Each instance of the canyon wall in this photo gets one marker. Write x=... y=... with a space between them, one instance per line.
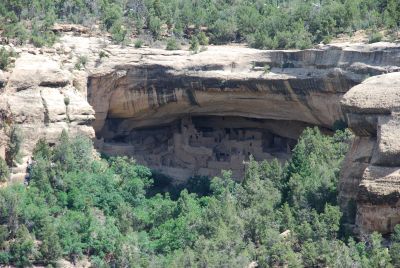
x=186 y=114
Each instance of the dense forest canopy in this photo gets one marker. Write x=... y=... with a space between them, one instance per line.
x=261 y=23
x=108 y=210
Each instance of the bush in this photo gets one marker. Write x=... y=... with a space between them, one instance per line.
x=139 y=43
x=103 y=54
x=172 y=44
x=154 y=25
x=375 y=37
x=14 y=145
x=41 y=36
x=16 y=31
x=119 y=33
x=112 y=15
x=81 y=62
x=4 y=58
x=194 y=44
x=266 y=69
x=203 y=39
x=223 y=31
x=4 y=171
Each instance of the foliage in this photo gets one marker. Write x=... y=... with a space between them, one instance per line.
x=119 y=33
x=14 y=145
x=5 y=60
x=263 y=24
x=194 y=44
x=79 y=205
x=4 y=171
x=103 y=54
x=172 y=44
x=203 y=39
x=375 y=37
x=81 y=62
x=139 y=43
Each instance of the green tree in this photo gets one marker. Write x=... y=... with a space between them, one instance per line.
x=172 y=44
x=378 y=255
x=50 y=248
x=4 y=170
x=22 y=249
x=14 y=144
x=394 y=249
x=194 y=44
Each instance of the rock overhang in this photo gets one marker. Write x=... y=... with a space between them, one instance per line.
x=272 y=94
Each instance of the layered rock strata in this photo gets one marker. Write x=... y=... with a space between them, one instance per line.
x=180 y=113
x=140 y=94
x=370 y=182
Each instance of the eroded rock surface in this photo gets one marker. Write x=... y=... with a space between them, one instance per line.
x=187 y=114
x=370 y=182
x=40 y=100
x=141 y=95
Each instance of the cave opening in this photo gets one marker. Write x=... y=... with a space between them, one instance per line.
x=203 y=145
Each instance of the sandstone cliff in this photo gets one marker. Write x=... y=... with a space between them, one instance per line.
x=40 y=100
x=187 y=114
x=370 y=183
x=135 y=91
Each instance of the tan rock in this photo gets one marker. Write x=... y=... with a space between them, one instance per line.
x=372 y=111
x=80 y=81
x=36 y=70
x=378 y=94
x=41 y=100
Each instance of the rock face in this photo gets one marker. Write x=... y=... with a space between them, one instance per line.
x=40 y=100
x=370 y=182
x=155 y=105
x=187 y=114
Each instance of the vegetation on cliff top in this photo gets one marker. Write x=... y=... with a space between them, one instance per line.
x=262 y=23
x=107 y=210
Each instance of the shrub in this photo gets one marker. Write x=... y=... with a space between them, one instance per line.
x=375 y=37
x=154 y=25
x=266 y=69
x=194 y=44
x=41 y=36
x=119 y=33
x=203 y=39
x=103 y=54
x=4 y=58
x=14 y=145
x=17 y=31
x=4 y=171
x=81 y=62
x=223 y=31
x=172 y=44
x=139 y=43
x=22 y=248
x=112 y=14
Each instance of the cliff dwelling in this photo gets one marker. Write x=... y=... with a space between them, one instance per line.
x=189 y=115
x=200 y=145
